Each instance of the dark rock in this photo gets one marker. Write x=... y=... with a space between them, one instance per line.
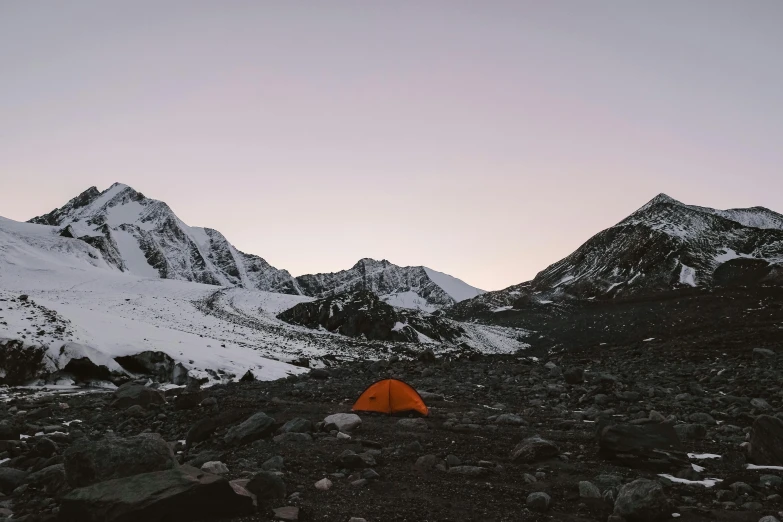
x=88 y=462
x=297 y=425
x=11 y=478
x=51 y=479
x=293 y=437
x=642 y=500
x=647 y=446
x=45 y=447
x=176 y=495
x=21 y=362
x=349 y=459
x=202 y=430
x=9 y=431
x=426 y=462
x=254 y=428
x=691 y=431
x=766 y=441
x=189 y=400
x=248 y=377
x=763 y=354
x=574 y=375
x=471 y=471
x=319 y=373
x=276 y=463
x=288 y=513
x=534 y=449
x=131 y=394
x=157 y=365
x=538 y=501
x=267 y=486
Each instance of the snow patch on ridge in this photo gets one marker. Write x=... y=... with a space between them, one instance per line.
x=458 y=289
x=687 y=275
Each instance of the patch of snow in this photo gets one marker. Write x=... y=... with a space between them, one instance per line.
x=687 y=275
x=501 y=309
x=697 y=468
x=409 y=299
x=707 y=483
x=754 y=466
x=132 y=254
x=398 y=326
x=648 y=340
x=457 y=289
x=703 y=456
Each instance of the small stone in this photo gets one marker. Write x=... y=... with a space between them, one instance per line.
x=588 y=490
x=290 y=513
x=538 y=501
x=413 y=424
x=323 y=485
x=275 y=463
x=215 y=466
x=267 y=485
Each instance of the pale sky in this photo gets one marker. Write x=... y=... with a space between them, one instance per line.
x=481 y=139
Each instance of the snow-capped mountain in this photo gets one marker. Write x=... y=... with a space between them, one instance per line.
x=406 y=287
x=67 y=313
x=143 y=236
x=662 y=246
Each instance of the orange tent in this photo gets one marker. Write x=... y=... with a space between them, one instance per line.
x=390 y=396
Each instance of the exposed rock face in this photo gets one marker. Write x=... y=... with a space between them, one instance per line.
x=157 y=365
x=662 y=246
x=393 y=283
x=642 y=501
x=20 y=361
x=120 y=220
x=363 y=313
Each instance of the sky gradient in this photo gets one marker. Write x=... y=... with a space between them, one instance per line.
x=486 y=140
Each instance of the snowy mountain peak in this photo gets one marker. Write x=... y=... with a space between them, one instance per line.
x=663 y=246
x=368 y=263
x=143 y=236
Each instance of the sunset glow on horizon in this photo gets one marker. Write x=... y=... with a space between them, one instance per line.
x=483 y=140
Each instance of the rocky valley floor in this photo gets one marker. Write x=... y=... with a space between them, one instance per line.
x=508 y=438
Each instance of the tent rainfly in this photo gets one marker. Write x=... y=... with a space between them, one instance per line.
x=390 y=396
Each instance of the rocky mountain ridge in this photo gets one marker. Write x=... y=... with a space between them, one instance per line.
x=143 y=236
x=664 y=245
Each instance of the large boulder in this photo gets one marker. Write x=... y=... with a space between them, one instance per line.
x=534 y=449
x=345 y=422
x=131 y=394
x=642 y=501
x=766 y=441
x=176 y=495
x=201 y=431
x=51 y=479
x=10 y=479
x=267 y=485
x=9 y=431
x=87 y=462
x=646 y=446
x=257 y=426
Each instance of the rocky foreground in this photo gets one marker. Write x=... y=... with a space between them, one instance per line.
x=637 y=434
